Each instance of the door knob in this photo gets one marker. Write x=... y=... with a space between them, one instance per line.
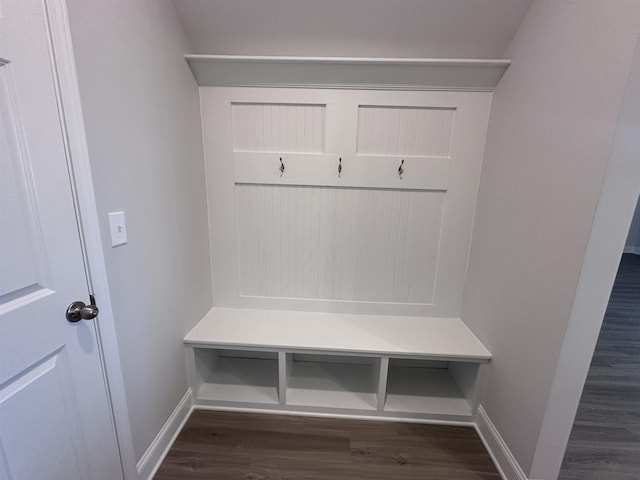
x=79 y=311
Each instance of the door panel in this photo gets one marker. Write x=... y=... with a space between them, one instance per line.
x=55 y=418
x=21 y=244
x=40 y=393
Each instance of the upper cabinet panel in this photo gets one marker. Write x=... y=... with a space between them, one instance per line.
x=405 y=131
x=278 y=128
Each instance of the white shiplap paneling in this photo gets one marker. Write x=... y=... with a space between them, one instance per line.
x=338 y=243
x=286 y=283
x=405 y=131
x=279 y=128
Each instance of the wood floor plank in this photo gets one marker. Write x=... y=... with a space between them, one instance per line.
x=605 y=439
x=244 y=446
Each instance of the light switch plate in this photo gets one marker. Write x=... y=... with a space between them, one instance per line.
x=118 y=228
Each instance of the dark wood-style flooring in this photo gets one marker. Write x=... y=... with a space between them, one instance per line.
x=243 y=446
x=605 y=439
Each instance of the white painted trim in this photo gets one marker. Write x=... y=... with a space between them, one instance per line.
x=613 y=217
x=299 y=413
x=353 y=60
x=505 y=462
x=88 y=214
x=436 y=338
x=631 y=249
x=157 y=451
x=347 y=72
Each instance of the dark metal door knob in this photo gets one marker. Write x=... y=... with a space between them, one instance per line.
x=79 y=311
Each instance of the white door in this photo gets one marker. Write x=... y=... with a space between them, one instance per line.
x=55 y=420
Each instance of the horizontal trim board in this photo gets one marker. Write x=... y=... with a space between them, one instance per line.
x=426 y=418
x=425 y=337
x=359 y=171
x=331 y=354
x=345 y=72
x=323 y=305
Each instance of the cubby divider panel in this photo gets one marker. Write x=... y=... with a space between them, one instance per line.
x=237 y=376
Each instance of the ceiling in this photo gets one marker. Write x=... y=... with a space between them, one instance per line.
x=346 y=28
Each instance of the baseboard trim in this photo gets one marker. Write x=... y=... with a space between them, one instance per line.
x=153 y=457
x=505 y=462
x=318 y=414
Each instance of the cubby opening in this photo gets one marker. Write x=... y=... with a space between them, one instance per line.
x=332 y=381
x=236 y=376
x=427 y=386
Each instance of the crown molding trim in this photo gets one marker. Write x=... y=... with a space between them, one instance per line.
x=348 y=72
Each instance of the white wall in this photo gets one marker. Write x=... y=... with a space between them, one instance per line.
x=617 y=201
x=549 y=141
x=141 y=109
x=632 y=244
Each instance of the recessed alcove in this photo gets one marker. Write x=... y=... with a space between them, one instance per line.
x=340 y=222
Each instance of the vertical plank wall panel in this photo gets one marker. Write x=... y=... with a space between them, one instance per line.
x=338 y=243
x=405 y=131
x=368 y=241
x=273 y=127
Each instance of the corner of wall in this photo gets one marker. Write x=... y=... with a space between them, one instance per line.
x=503 y=459
x=154 y=456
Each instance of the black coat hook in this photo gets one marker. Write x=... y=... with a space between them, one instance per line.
x=400 y=169
x=339 y=167
x=281 y=167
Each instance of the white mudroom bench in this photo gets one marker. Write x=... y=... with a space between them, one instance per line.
x=423 y=368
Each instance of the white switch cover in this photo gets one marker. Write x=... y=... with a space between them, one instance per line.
x=118 y=228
